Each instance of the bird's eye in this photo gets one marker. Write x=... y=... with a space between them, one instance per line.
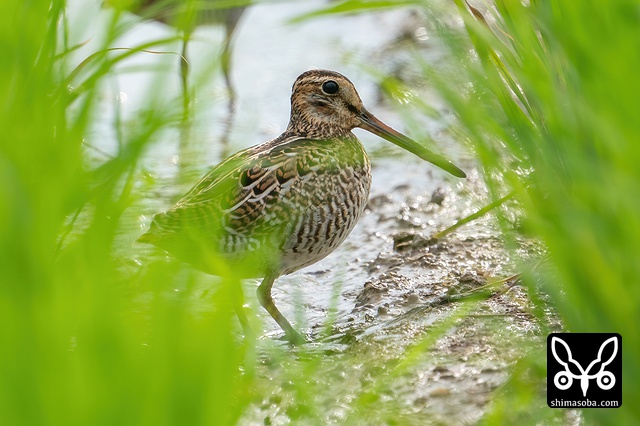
x=330 y=87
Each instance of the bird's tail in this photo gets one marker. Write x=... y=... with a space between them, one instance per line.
x=147 y=238
x=154 y=234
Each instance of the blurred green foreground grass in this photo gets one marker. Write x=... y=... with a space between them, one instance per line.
x=549 y=103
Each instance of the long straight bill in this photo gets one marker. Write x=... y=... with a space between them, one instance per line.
x=377 y=127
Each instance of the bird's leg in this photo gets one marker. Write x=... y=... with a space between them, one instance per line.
x=265 y=299
x=185 y=125
x=225 y=59
x=184 y=78
x=225 y=62
x=237 y=297
x=231 y=20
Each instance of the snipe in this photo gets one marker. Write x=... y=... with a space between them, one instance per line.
x=277 y=207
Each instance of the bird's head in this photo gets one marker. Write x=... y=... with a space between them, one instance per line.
x=325 y=105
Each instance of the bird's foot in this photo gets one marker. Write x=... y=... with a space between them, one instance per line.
x=294 y=338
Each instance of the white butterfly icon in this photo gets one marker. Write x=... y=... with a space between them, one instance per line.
x=564 y=379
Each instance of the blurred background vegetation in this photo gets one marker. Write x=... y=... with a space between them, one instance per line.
x=546 y=95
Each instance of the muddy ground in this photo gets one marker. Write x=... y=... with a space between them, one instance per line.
x=432 y=327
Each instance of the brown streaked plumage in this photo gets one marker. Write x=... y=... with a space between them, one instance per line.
x=285 y=204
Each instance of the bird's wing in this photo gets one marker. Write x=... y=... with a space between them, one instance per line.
x=218 y=174
x=233 y=194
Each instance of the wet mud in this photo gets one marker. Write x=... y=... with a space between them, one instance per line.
x=430 y=328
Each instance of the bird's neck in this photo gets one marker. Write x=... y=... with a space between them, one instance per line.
x=316 y=129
